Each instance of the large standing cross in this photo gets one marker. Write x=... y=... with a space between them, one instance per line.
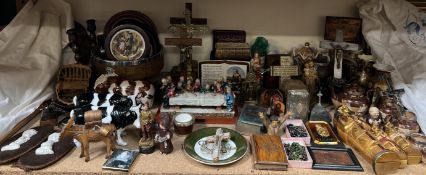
x=339 y=46
x=185 y=28
x=285 y=70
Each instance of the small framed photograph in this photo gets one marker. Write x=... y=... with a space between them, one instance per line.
x=334 y=159
x=121 y=160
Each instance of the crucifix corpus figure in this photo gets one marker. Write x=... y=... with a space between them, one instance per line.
x=185 y=28
x=339 y=46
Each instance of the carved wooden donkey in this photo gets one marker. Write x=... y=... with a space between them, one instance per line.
x=92 y=131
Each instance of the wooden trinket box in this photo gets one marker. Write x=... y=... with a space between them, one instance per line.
x=350 y=26
x=296 y=122
x=268 y=153
x=298 y=163
x=230 y=44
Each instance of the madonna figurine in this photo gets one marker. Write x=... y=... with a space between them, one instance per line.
x=163 y=136
x=229 y=99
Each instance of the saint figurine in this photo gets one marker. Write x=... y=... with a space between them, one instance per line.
x=310 y=76
x=146 y=119
x=217 y=87
x=182 y=82
x=256 y=65
x=189 y=87
x=163 y=136
x=146 y=143
x=197 y=85
x=164 y=88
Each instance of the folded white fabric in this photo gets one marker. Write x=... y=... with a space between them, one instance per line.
x=396 y=32
x=30 y=48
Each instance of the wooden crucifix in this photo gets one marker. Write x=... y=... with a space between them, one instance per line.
x=186 y=27
x=285 y=70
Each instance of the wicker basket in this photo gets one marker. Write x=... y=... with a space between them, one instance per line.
x=72 y=80
x=132 y=70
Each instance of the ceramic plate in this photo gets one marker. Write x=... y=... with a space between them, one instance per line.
x=127 y=43
x=192 y=147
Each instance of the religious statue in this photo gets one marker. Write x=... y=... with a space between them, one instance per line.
x=197 y=85
x=168 y=90
x=189 y=86
x=146 y=120
x=163 y=136
x=256 y=65
x=146 y=143
x=274 y=126
x=311 y=77
x=164 y=87
x=229 y=99
x=374 y=117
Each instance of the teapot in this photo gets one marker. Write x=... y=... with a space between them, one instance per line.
x=353 y=96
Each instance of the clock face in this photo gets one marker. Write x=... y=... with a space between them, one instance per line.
x=127 y=45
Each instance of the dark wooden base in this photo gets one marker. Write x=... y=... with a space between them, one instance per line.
x=215 y=120
x=147 y=150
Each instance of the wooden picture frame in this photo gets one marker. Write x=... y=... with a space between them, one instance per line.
x=334 y=159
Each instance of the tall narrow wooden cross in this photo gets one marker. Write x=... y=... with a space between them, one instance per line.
x=285 y=70
x=186 y=28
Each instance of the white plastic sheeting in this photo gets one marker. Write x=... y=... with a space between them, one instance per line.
x=30 y=55
x=396 y=32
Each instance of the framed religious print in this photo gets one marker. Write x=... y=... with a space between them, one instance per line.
x=321 y=133
x=127 y=43
x=211 y=71
x=334 y=159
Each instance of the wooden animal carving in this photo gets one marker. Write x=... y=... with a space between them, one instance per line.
x=94 y=131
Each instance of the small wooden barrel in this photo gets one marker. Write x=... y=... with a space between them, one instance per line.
x=132 y=70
